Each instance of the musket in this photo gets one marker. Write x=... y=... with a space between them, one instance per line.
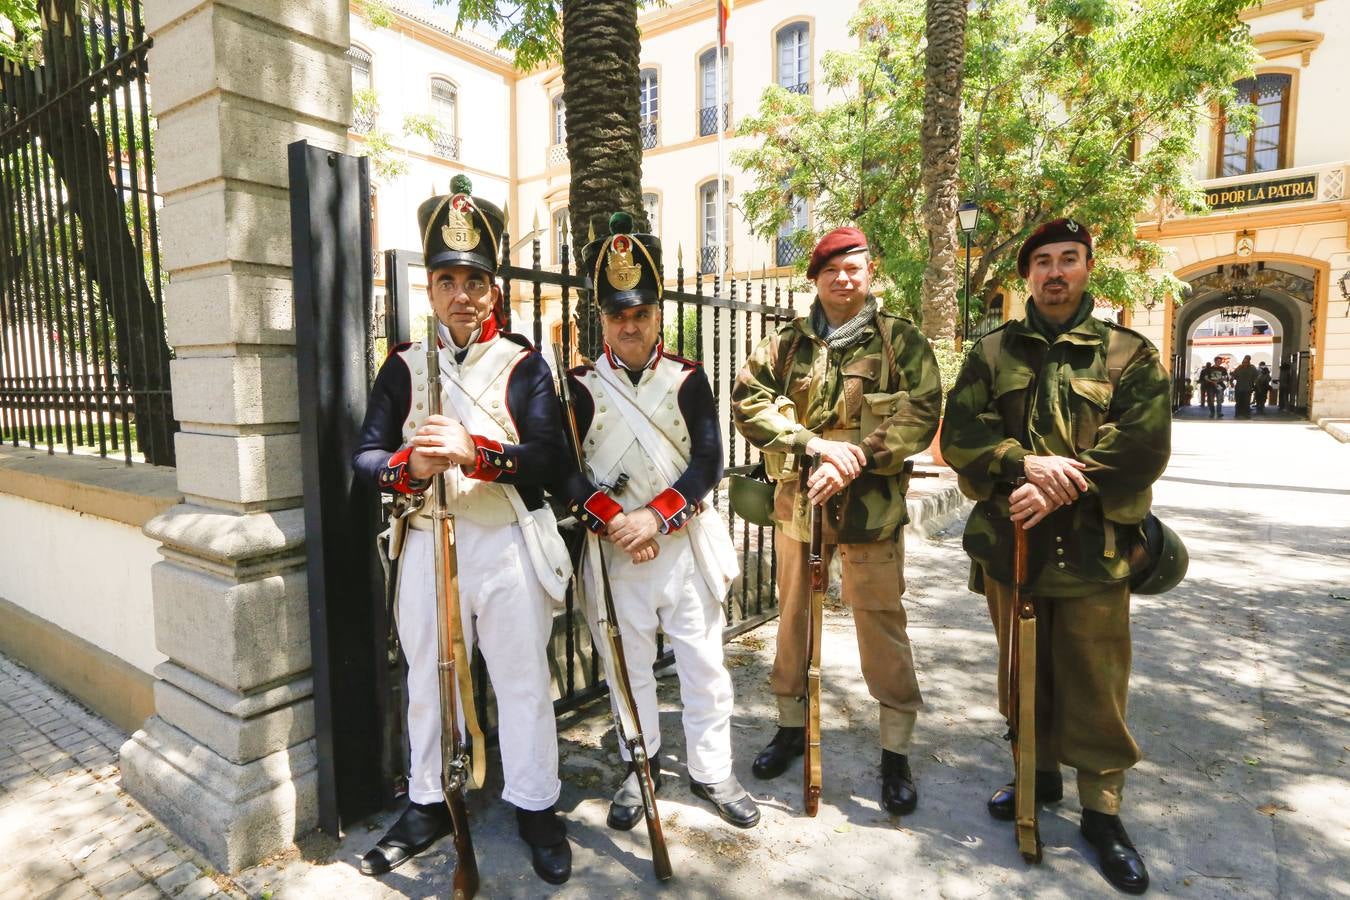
x=626 y=719
x=454 y=754
x=1022 y=699
x=815 y=612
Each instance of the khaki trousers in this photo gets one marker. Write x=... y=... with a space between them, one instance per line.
x=874 y=580
x=1082 y=678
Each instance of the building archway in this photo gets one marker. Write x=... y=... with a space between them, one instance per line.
x=1281 y=292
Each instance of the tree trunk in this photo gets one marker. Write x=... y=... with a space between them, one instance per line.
x=944 y=73
x=604 y=148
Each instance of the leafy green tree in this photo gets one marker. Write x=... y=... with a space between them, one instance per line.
x=18 y=28
x=1086 y=108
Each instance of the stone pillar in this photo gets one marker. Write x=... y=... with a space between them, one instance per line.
x=228 y=760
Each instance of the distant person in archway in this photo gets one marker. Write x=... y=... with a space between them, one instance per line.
x=1216 y=379
x=1244 y=380
x=1262 y=387
x=1202 y=378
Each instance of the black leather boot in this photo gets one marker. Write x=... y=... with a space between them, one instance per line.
x=626 y=810
x=734 y=803
x=1049 y=789
x=550 y=854
x=420 y=826
x=1116 y=856
x=787 y=745
x=899 y=796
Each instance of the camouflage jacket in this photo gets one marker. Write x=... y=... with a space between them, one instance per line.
x=1097 y=394
x=793 y=388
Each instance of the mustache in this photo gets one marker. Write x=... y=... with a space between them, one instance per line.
x=1057 y=282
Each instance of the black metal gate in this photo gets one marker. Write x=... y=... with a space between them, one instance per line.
x=83 y=360
x=340 y=342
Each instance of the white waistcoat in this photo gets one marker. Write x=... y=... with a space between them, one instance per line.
x=477 y=386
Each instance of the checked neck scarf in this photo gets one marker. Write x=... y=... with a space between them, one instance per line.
x=851 y=332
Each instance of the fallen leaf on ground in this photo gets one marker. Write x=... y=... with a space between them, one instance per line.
x=842 y=829
x=1270 y=809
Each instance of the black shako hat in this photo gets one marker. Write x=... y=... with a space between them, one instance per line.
x=1054 y=232
x=623 y=269
x=460 y=230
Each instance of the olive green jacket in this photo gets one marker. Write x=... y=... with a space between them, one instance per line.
x=1062 y=399
x=883 y=394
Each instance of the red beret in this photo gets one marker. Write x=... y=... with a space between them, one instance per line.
x=1056 y=232
x=841 y=240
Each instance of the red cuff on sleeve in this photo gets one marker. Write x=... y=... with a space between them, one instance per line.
x=396 y=476
x=491 y=460
x=673 y=509
x=597 y=511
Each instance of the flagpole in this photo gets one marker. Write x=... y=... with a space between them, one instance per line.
x=723 y=258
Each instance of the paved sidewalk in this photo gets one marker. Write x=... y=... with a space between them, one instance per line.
x=67 y=830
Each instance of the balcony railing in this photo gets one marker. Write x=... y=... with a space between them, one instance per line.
x=445 y=144
x=647 y=131
x=786 y=251
x=801 y=87
x=707 y=119
x=363 y=121
x=557 y=155
x=710 y=261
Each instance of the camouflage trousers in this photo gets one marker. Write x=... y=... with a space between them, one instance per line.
x=1082 y=678
x=874 y=580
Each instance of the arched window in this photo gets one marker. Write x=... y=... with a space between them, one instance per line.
x=648 y=107
x=444 y=109
x=707 y=79
x=363 y=106
x=559 y=120
x=560 y=234
x=794 y=57
x=713 y=255
x=1266 y=147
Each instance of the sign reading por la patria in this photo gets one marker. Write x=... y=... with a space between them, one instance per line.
x=1279 y=190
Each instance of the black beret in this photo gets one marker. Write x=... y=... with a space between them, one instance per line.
x=1058 y=231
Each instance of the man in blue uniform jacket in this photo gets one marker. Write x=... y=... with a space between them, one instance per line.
x=498 y=443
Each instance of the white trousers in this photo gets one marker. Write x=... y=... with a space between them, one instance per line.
x=670 y=593
x=505 y=610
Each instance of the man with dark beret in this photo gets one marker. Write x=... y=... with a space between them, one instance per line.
x=855 y=387
x=1078 y=409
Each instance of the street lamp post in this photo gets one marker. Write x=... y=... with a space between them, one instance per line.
x=969 y=215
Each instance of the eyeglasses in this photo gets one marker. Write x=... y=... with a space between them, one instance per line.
x=475 y=288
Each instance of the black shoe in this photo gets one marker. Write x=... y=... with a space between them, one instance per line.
x=734 y=803
x=898 y=794
x=1116 y=856
x=787 y=744
x=550 y=854
x=420 y=826
x=1049 y=789
x=626 y=809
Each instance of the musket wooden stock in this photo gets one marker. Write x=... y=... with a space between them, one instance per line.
x=1022 y=700
x=626 y=716
x=454 y=758
x=815 y=611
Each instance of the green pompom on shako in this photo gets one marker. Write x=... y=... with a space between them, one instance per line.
x=624 y=268
x=461 y=184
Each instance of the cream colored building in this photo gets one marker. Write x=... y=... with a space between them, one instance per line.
x=1275 y=241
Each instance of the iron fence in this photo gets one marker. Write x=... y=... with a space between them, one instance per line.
x=83 y=360
x=706 y=319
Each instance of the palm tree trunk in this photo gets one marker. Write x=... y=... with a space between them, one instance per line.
x=604 y=148
x=944 y=74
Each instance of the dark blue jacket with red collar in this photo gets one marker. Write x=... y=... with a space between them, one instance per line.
x=531 y=465
x=677 y=502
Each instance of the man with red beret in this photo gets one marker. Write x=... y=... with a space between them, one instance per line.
x=856 y=389
x=1078 y=410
